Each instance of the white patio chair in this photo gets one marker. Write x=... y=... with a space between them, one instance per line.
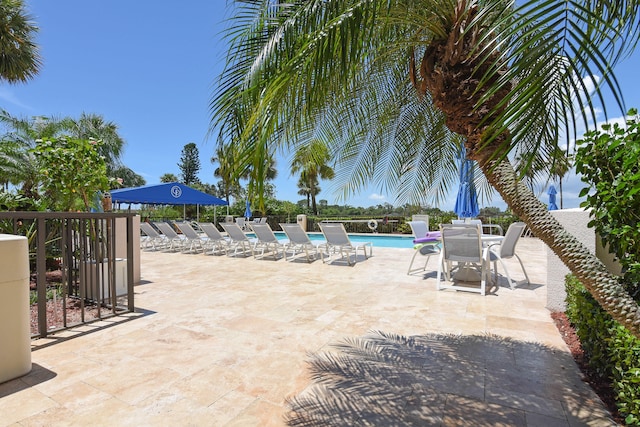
x=216 y=240
x=462 y=244
x=267 y=241
x=299 y=241
x=238 y=240
x=506 y=250
x=338 y=241
x=425 y=246
x=491 y=227
x=173 y=239
x=191 y=237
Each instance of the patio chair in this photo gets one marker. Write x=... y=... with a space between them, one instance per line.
x=267 y=241
x=238 y=240
x=426 y=244
x=506 y=250
x=338 y=240
x=215 y=239
x=462 y=244
x=173 y=239
x=191 y=237
x=299 y=241
x=151 y=237
x=493 y=228
x=242 y=223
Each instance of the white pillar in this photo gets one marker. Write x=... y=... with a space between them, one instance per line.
x=15 y=314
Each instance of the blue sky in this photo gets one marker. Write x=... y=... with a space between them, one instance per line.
x=151 y=67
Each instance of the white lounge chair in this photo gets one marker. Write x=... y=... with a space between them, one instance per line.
x=425 y=246
x=192 y=239
x=216 y=240
x=299 y=241
x=506 y=249
x=462 y=244
x=173 y=239
x=238 y=240
x=338 y=240
x=151 y=237
x=267 y=241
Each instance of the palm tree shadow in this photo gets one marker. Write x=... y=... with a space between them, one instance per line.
x=390 y=380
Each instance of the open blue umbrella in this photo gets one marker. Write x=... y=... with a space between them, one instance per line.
x=552 y=198
x=247 y=210
x=467 y=199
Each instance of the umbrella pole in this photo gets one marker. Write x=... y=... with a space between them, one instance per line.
x=198 y=213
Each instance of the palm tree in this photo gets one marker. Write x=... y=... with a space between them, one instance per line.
x=230 y=183
x=311 y=161
x=20 y=166
x=94 y=126
x=400 y=81
x=19 y=57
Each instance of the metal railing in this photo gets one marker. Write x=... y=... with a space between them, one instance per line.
x=77 y=266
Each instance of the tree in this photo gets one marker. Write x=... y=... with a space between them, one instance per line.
x=226 y=171
x=311 y=161
x=84 y=174
x=189 y=164
x=168 y=177
x=19 y=56
x=400 y=83
x=93 y=126
x=129 y=178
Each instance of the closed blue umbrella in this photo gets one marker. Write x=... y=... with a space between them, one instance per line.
x=247 y=210
x=552 y=198
x=467 y=199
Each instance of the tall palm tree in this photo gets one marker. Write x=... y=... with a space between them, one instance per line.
x=311 y=161
x=226 y=157
x=19 y=57
x=400 y=81
x=94 y=126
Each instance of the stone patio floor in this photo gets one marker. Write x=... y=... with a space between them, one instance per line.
x=220 y=341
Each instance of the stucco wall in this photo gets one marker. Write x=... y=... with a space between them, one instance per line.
x=575 y=222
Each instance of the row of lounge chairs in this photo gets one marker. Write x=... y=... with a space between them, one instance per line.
x=206 y=238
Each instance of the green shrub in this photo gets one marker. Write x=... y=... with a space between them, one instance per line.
x=610 y=349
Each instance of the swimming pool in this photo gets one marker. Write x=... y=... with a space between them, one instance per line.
x=378 y=240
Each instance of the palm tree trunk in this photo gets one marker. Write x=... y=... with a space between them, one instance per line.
x=605 y=287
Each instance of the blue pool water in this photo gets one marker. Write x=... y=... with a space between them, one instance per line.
x=378 y=240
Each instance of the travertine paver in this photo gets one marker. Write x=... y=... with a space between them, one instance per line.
x=225 y=341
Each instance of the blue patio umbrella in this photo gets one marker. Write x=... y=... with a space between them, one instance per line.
x=247 y=210
x=467 y=199
x=552 y=198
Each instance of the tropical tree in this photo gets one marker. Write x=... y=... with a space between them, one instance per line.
x=189 y=164
x=168 y=177
x=20 y=165
x=310 y=160
x=19 y=57
x=304 y=189
x=398 y=82
x=94 y=126
x=229 y=184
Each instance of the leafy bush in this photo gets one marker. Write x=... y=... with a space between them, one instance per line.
x=611 y=350
x=608 y=162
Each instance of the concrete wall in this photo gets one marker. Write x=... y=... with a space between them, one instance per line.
x=121 y=243
x=575 y=222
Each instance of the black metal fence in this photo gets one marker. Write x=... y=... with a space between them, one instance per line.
x=81 y=266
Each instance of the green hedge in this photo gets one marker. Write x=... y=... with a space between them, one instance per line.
x=609 y=348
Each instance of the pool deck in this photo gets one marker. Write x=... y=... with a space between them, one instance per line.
x=220 y=341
